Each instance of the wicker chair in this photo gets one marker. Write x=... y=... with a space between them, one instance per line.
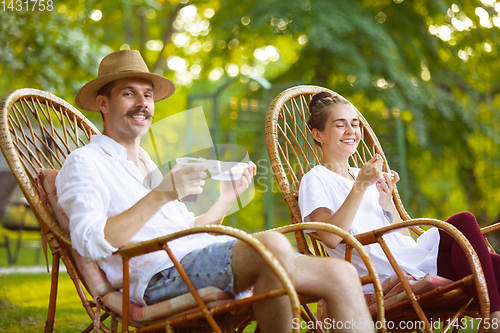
x=37 y=132
x=292 y=154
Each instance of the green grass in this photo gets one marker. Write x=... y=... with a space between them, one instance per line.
x=30 y=252
x=24 y=297
x=24 y=303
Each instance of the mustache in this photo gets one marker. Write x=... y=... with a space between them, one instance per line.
x=137 y=111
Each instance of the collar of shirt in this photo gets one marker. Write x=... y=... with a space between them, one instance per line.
x=118 y=152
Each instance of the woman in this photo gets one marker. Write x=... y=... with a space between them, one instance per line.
x=360 y=200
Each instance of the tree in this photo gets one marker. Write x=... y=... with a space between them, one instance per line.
x=425 y=67
x=429 y=62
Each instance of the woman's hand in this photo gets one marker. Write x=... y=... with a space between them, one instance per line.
x=385 y=186
x=231 y=189
x=369 y=173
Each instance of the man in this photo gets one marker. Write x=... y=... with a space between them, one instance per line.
x=112 y=196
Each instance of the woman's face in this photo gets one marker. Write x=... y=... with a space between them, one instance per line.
x=342 y=134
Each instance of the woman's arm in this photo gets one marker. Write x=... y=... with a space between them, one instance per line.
x=369 y=174
x=385 y=186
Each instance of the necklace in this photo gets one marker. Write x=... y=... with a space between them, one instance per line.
x=350 y=174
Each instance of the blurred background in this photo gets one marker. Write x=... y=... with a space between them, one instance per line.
x=424 y=73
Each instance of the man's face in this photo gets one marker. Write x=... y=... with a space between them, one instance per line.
x=129 y=111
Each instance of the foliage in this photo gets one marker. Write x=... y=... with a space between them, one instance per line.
x=382 y=56
x=425 y=66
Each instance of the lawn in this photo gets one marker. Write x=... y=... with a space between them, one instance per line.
x=24 y=303
x=24 y=297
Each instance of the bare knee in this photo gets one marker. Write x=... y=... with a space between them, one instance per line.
x=280 y=247
x=342 y=272
x=276 y=243
x=249 y=266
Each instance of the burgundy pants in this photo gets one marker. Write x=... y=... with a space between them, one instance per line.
x=453 y=264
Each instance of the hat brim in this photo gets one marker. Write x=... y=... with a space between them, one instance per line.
x=86 y=97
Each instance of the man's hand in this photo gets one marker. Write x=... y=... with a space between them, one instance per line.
x=231 y=189
x=181 y=182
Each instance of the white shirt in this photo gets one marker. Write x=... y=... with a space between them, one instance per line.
x=321 y=187
x=96 y=182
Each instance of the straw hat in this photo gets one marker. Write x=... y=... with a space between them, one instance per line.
x=119 y=65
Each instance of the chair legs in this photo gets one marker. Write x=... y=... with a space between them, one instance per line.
x=457 y=316
x=6 y=243
x=49 y=324
x=114 y=322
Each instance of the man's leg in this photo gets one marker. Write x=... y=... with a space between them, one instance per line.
x=249 y=269
x=336 y=282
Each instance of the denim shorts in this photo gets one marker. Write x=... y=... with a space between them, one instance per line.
x=210 y=266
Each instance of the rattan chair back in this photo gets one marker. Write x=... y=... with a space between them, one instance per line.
x=292 y=154
x=37 y=132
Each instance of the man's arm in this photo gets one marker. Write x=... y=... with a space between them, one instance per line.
x=177 y=183
x=85 y=198
x=120 y=228
x=229 y=192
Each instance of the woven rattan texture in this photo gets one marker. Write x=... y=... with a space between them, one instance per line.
x=292 y=154
x=38 y=131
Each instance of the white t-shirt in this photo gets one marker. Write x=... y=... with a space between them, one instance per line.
x=321 y=187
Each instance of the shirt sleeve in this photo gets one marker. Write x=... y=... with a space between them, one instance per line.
x=313 y=195
x=84 y=198
x=188 y=216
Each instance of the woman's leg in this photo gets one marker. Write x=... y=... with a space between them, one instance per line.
x=450 y=251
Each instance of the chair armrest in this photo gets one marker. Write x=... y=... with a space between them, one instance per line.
x=140 y=248
x=136 y=249
x=490 y=228
x=477 y=271
x=370 y=237
x=352 y=242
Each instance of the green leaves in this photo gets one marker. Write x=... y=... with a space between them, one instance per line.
x=434 y=61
